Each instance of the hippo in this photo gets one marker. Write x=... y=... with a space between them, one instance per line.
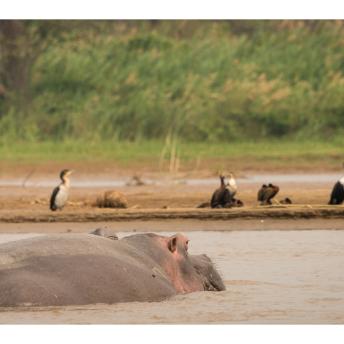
x=105 y=232
x=79 y=269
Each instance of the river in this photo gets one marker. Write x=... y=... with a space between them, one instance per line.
x=288 y=277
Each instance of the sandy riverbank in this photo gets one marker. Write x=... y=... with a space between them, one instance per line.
x=25 y=197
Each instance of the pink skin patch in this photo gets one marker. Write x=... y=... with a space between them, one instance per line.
x=176 y=266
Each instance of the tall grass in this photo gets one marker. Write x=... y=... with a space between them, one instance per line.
x=210 y=83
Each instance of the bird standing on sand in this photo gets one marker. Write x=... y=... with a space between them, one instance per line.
x=337 y=194
x=60 y=194
x=223 y=196
x=266 y=193
x=261 y=193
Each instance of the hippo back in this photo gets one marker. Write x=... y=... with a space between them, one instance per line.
x=77 y=269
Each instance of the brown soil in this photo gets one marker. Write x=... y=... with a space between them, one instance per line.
x=170 y=200
x=151 y=202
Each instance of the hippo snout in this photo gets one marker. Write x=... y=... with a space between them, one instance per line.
x=206 y=270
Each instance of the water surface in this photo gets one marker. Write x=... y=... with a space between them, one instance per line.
x=96 y=182
x=271 y=277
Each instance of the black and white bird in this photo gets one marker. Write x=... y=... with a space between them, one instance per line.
x=337 y=194
x=60 y=194
x=223 y=197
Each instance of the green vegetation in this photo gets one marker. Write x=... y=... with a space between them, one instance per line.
x=95 y=86
x=275 y=154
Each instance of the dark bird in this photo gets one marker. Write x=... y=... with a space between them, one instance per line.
x=266 y=193
x=337 y=194
x=60 y=194
x=224 y=195
x=261 y=193
x=238 y=203
x=286 y=200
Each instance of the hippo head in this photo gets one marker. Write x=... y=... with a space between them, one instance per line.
x=170 y=255
x=191 y=272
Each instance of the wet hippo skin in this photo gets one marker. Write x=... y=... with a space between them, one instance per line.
x=71 y=269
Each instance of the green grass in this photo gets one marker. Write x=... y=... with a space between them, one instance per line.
x=79 y=151
x=200 y=81
x=178 y=94
x=279 y=153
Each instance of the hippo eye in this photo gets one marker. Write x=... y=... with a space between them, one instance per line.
x=187 y=244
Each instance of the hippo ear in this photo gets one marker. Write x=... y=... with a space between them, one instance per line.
x=172 y=244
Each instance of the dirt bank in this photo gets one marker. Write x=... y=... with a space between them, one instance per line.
x=272 y=212
x=25 y=198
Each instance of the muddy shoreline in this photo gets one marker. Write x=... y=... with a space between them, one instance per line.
x=270 y=212
x=165 y=197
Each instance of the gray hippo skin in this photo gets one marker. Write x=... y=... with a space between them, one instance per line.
x=76 y=269
x=105 y=232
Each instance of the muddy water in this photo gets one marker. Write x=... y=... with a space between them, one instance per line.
x=96 y=182
x=271 y=277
